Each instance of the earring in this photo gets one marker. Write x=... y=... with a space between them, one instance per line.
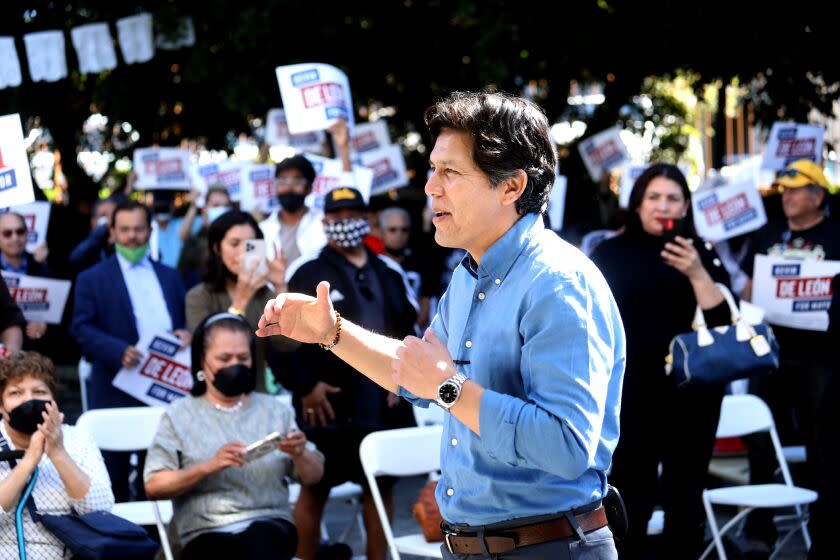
x=200 y=375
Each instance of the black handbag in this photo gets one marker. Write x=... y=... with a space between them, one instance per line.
x=722 y=354
x=98 y=535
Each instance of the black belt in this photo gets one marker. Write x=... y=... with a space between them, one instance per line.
x=505 y=540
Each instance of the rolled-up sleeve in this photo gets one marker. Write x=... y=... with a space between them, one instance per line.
x=567 y=356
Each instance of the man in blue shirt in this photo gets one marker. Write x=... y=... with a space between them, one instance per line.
x=526 y=351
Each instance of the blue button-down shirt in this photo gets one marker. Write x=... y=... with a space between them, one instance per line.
x=536 y=325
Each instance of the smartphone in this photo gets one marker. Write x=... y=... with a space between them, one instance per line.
x=262 y=447
x=254 y=250
x=671 y=228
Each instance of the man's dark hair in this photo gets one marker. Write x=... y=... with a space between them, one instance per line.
x=128 y=206
x=633 y=222
x=509 y=133
x=301 y=164
x=215 y=271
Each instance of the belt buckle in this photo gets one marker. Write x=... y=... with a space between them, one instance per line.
x=446 y=535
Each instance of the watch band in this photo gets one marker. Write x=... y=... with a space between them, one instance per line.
x=457 y=382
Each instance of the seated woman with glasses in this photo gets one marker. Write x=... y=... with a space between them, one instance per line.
x=15 y=258
x=229 y=504
x=229 y=287
x=71 y=473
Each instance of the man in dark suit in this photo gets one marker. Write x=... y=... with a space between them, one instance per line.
x=117 y=302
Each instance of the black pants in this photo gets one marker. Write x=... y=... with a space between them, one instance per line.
x=674 y=426
x=118 y=464
x=274 y=539
x=802 y=397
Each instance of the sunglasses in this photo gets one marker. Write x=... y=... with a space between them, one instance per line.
x=398 y=229
x=20 y=232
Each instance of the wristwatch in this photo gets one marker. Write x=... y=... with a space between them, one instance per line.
x=449 y=391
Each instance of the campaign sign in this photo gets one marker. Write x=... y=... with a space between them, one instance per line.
x=15 y=176
x=727 y=211
x=257 y=188
x=789 y=142
x=36 y=215
x=369 y=136
x=603 y=152
x=277 y=134
x=330 y=175
x=162 y=168
x=794 y=294
x=314 y=96
x=163 y=374
x=557 y=202
x=388 y=166
x=225 y=173
x=40 y=299
x=628 y=179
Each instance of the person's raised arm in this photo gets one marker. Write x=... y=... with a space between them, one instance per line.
x=313 y=320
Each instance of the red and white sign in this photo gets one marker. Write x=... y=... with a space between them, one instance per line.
x=330 y=175
x=226 y=173
x=388 y=166
x=40 y=299
x=603 y=152
x=162 y=168
x=257 y=188
x=368 y=136
x=36 y=215
x=727 y=211
x=314 y=96
x=162 y=376
x=15 y=176
x=277 y=134
x=789 y=142
x=795 y=294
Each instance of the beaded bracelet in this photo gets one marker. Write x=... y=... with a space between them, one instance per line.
x=335 y=340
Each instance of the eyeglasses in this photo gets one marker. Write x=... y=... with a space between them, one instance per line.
x=405 y=229
x=297 y=181
x=20 y=232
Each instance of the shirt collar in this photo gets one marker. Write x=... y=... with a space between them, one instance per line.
x=4 y=264
x=125 y=265
x=498 y=259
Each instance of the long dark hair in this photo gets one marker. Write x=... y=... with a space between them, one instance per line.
x=203 y=332
x=215 y=271
x=668 y=171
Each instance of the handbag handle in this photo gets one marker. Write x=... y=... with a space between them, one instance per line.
x=743 y=331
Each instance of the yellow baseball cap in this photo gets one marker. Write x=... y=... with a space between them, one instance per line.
x=801 y=173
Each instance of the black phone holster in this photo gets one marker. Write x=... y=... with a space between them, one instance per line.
x=616 y=512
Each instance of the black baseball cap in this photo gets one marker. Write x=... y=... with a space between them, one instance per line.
x=343 y=197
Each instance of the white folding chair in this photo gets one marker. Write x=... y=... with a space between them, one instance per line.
x=742 y=415
x=349 y=492
x=130 y=429
x=401 y=452
x=433 y=414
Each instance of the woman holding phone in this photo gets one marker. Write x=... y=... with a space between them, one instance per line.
x=229 y=285
x=659 y=271
x=228 y=504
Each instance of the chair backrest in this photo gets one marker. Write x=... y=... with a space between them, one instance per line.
x=122 y=429
x=742 y=415
x=402 y=452
x=433 y=414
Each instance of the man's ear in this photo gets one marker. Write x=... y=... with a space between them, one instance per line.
x=513 y=187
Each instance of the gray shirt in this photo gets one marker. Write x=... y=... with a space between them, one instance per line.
x=192 y=430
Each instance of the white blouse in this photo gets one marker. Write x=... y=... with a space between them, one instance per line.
x=51 y=497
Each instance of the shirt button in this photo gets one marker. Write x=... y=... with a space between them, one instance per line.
x=481 y=296
x=498 y=281
x=454 y=442
x=716 y=262
x=468 y=344
x=450 y=491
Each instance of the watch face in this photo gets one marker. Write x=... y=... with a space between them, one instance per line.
x=448 y=393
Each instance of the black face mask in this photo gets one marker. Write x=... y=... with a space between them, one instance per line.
x=26 y=416
x=291 y=202
x=235 y=380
